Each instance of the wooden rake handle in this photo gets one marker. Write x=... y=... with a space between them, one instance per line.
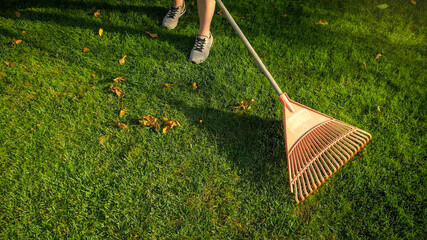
x=284 y=97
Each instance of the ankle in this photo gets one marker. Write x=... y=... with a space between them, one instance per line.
x=178 y=3
x=204 y=33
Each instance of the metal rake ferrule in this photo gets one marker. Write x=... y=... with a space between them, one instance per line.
x=319 y=153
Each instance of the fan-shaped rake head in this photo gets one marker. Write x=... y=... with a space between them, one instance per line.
x=317 y=146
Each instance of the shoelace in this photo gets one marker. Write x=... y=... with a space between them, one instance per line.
x=199 y=44
x=172 y=12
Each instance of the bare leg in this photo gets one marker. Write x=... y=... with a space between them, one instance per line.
x=206 y=9
x=178 y=3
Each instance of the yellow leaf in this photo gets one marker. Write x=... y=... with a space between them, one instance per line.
x=149 y=121
x=378 y=110
x=194 y=85
x=102 y=140
x=24 y=32
x=169 y=124
x=96 y=14
x=219 y=12
x=101 y=31
x=378 y=56
x=413 y=2
x=192 y=3
x=152 y=35
x=168 y=85
x=122 y=112
x=253 y=100
x=243 y=104
x=122 y=60
x=121 y=125
x=9 y=64
x=93 y=75
x=364 y=65
x=86 y=50
x=17 y=14
x=17 y=41
x=119 y=79
x=117 y=90
x=322 y=22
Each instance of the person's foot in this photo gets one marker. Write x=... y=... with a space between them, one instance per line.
x=170 y=21
x=201 y=48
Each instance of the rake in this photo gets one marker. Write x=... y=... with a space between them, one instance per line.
x=317 y=145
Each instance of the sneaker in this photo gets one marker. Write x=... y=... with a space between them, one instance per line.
x=171 y=19
x=201 y=48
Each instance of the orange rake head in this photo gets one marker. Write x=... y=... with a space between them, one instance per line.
x=316 y=146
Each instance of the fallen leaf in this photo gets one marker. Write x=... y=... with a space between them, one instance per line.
x=152 y=35
x=168 y=85
x=219 y=12
x=93 y=75
x=86 y=50
x=322 y=22
x=100 y=31
x=17 y=14
x=24 y=32
x=285 y=15
x=192 y=3
x=252 y=100
x=201 y=121
x=9 y=64
x=119 y=79
x=117 y=90
x=149 y=121
x=17 y=41
x=263 y=56
x=96 y=14
x=378 y=110
x=118 y=2
x=378 y=56
x=413 y=2
x=121 y=125
x=383 y=6
x=243 y=104
x=122 y=60
x=364 y=64
x=169 y=124
x=194 y=85
x=122 y=112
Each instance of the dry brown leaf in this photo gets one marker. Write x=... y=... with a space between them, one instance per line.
x=243 y=104
x=121 y=125
x=122 y=112
x=117 y=90
x=364 y=64
x=100 y=32
x=413 y=2
x=378 y=56
x=169 y=124
x=119 y=79
x=93 y=75
x=9 y=64
x=322 y=22
x=86 y=50
x=285 y=15
x=219 y=12
x=168 y=85
x=17 y=14
x=263 y=56
x=194 y=85
x=17 y=41
x=252 y=100
x=96 y=14
x=152 y=35
x=122 y=60
x=149 y=121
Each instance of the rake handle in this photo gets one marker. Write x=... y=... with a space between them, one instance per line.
x=250 y=48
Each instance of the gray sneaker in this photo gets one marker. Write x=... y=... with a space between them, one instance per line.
x=171 y=19
x=201 y=48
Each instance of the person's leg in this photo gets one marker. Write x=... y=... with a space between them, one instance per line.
x=170 y=21
x=206 y=9
x=178 y=3
x=204 y=39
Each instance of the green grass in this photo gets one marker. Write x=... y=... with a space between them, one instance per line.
x=224 y=177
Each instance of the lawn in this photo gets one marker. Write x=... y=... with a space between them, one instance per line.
x=72 y=166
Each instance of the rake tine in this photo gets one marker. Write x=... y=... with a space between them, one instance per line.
x=308 y=169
